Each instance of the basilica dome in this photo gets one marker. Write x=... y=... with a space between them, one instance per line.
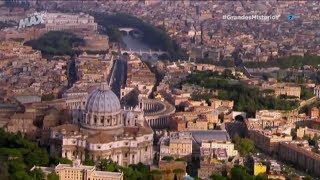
x=103 y=101
x=103 y=111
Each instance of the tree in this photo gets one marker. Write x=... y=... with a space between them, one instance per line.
x=307 y=178
x=143 y=169
x=53 y=176
x=47 y=97
x=131 y=174
x=240 y=173
x=108 y=165
x=244 y=145
x=20 y=175
x=4 y=171
x=56 y=160
x=10 y=152
x=156 y=174
x=306 y=93
x=167 y=172
x=246 y=98
x=180 y=159
x=262 y=177
x=56 y=43
x=167 y=158
x=178 y=172
x=88 y=161
x=113 y=33
x=221 y=117
x=216 y=176
x=227 y=73
x=114 y=53
x=37 y=174
x=36 y=157
x=228 y=63
x=19 y=156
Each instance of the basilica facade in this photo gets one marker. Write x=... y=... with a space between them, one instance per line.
x=103 y=130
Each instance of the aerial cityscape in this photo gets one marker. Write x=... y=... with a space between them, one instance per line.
x=159 y=90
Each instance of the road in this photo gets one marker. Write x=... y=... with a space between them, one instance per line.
x=119 y=75
x=71 y=71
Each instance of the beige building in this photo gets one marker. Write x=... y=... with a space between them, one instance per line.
x=199 y=124
x=218 y=103
x=78 y=171
x=198 y=118
x=268 y=114
x=266 y=119
x=268 y=141
x=180 y=147
x=210 y=164
x=176 y=145
x=168 y=168
x=227 y=145
x=286 y=89
x=300 y=155
x=305 y=131
x=22 y=122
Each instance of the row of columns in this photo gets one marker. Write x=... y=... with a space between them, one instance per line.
x=162 y=122
x=100 y=120
x=148 y=106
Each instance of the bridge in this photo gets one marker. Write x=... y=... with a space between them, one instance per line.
x=128 y=30
x=142 y=52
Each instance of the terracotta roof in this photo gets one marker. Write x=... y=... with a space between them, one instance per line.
x=23 y=116
x=67 y=127
x=138 y=130
x=100 y=138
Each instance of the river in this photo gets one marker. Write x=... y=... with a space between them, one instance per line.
x=134 y=43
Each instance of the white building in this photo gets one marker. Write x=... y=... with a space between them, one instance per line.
x=63 y=21
x=103 y=130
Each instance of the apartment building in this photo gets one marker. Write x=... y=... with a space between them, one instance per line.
x=301 y=155
x=268 y=141
x=227 y=145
